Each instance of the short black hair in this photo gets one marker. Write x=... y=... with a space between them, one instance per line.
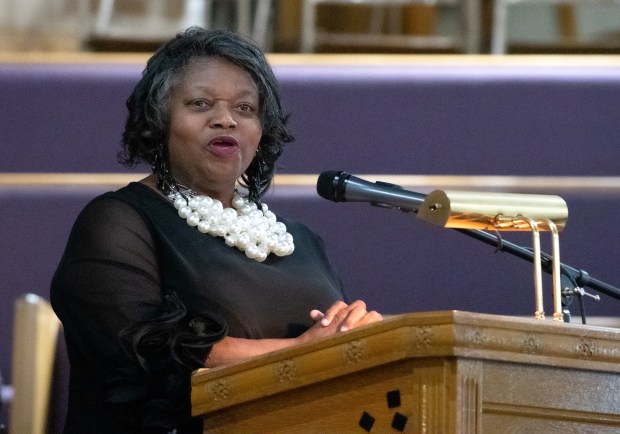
x=148 y=119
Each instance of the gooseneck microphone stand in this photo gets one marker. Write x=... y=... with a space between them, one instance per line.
x=580 y=277
x=576 y=277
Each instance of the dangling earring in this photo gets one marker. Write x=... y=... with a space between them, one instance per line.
x=257 y=179
x=165 y=181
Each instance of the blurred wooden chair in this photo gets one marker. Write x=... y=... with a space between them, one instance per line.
x=35 y=334
x=467 y=41
x=565 y=18
x=251 y=18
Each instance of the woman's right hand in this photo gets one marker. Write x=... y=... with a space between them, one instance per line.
x=340 y=317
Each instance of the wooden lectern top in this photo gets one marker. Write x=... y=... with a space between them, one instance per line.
x=452 y=371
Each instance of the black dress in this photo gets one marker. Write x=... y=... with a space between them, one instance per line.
x=143 y=296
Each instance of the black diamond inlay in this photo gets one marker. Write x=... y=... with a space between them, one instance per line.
x=399 y=421
x=367 y=421
x=393 y=398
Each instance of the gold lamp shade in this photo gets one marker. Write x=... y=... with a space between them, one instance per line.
x=493 y=211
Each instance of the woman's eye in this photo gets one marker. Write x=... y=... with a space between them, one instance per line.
x=199 y=103
x=246 y=108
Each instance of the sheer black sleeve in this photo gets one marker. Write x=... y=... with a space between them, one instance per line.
x=125 y=333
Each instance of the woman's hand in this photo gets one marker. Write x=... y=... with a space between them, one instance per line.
x=339 y=317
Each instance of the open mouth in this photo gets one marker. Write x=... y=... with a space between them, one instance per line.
x=223 y=145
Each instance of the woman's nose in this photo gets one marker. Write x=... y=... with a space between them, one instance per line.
x=222 y=117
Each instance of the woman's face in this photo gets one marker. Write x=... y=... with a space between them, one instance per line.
x=215 y=126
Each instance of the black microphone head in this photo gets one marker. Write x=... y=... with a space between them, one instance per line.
x=329 y=185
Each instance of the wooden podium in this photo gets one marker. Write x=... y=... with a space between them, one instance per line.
x=425 y=373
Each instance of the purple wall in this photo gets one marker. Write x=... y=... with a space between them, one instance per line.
x=367 y=119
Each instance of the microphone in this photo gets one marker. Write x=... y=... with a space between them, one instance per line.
x=339 y=186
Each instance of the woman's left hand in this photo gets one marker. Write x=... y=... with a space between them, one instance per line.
x=346 y=316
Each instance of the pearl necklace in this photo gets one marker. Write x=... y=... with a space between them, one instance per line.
x=251 y=230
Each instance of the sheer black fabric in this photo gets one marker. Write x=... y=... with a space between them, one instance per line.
x=143 y=297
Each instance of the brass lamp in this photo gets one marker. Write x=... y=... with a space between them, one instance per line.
x=505 y=212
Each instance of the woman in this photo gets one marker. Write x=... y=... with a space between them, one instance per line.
x=180 y=270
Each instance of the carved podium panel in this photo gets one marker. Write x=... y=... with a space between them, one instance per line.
x=432 y=372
